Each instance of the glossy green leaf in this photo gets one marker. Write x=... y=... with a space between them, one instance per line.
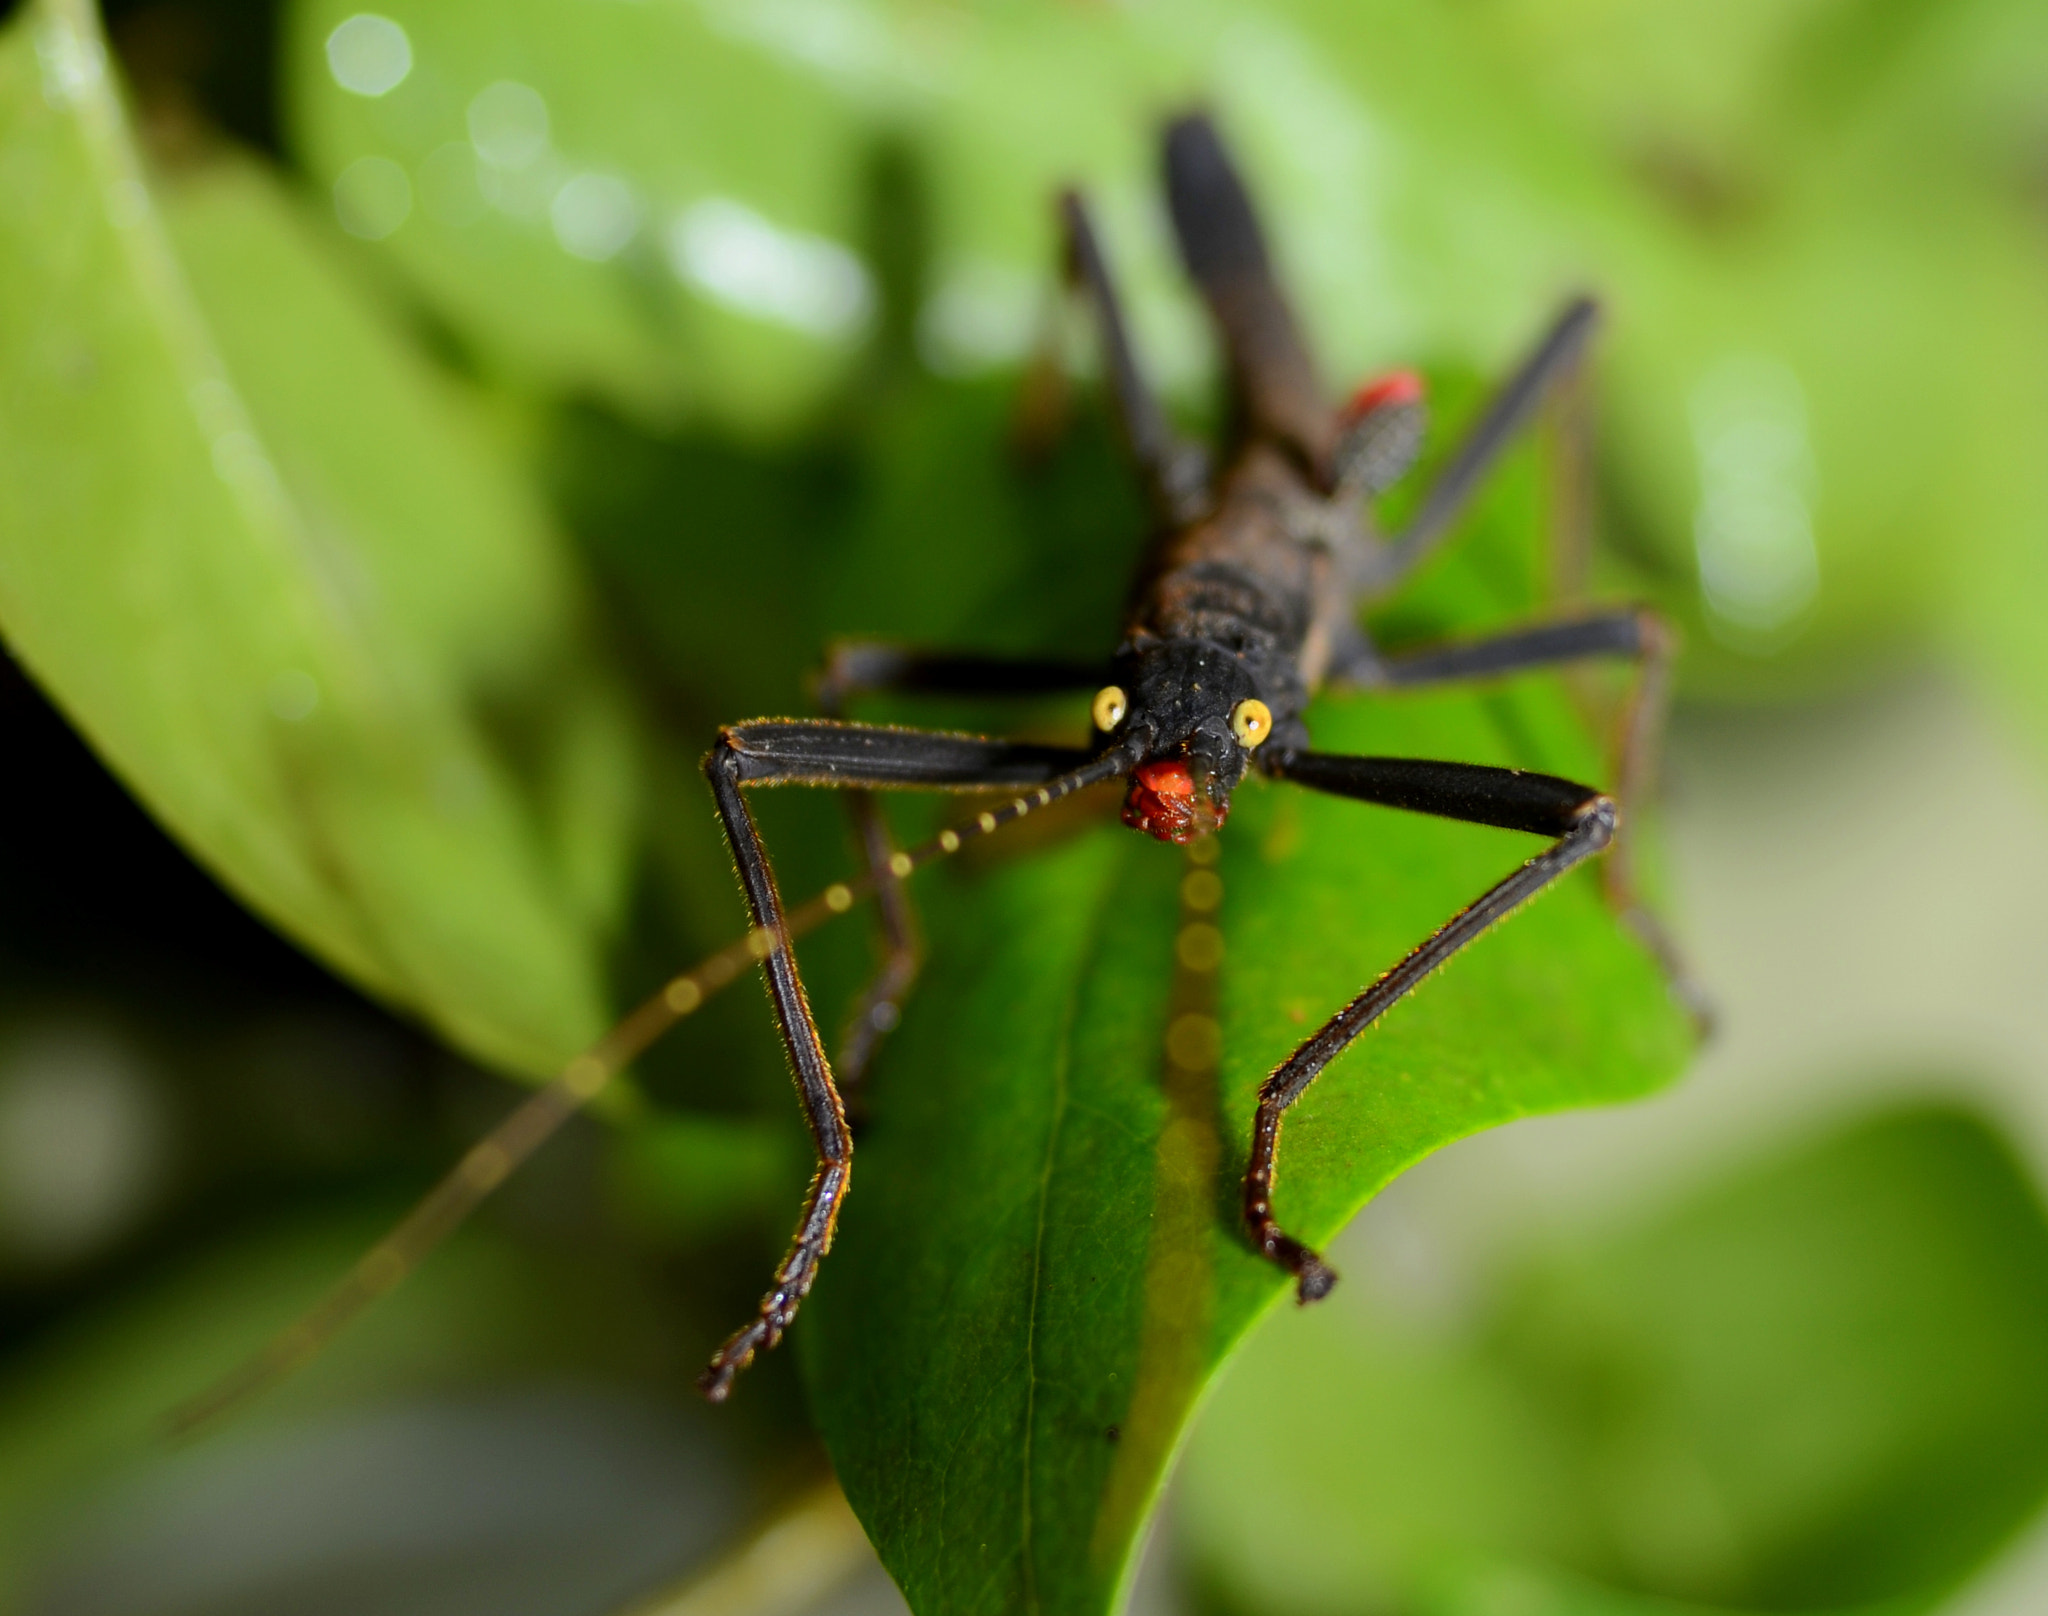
x=1812 y=1386
x=277 y=570
x=1040 y=1267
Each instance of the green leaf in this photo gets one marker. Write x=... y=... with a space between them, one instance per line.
x=1414 y=209
x=544 y=161
x=1040 y=1265
x=1813 y=1386
x=280 y=574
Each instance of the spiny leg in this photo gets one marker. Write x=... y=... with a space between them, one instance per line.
x=824 y=753
x=1581 y=820
x=868 y=667
x=1631 y=633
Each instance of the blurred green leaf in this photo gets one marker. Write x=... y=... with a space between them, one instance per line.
x=82 y=1411
x=1827 y=202
x=1407 y=197
x=275 y=568
x=1814 y=1386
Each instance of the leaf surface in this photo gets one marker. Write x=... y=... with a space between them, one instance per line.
x=1040 y=1267
x=278 y=572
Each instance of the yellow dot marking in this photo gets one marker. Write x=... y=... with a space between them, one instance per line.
x=1021 y=806
x=839 y=897
x=1194 y=1041
x=949 y=840
x=1044 y=796
x=901 y=864
x=1109 y=707
x=585 y=1076
x=987 y=822
x=1199 y=946
x=1206 y=851
x=1201 y=890
x=485 y=1167
x=760 y=942
x=1251 y=721
x=683 y=995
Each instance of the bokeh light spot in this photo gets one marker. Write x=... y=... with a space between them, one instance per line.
x=594 y=216
x=369 y=55
x=508 y=124
x=787 y=277
x=372 y=198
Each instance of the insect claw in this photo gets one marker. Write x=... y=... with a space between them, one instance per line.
x=1314 y=1279
x=716 y=1383
x=728 y=1362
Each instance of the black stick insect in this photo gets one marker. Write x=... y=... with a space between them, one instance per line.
x=1246 y=604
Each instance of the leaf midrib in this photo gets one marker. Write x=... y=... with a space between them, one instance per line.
x=1062 y=1070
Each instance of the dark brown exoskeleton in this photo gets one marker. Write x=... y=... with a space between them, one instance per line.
x=1248 y=602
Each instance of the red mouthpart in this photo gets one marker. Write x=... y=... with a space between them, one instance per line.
x=1164 y=803
x=1396 y=387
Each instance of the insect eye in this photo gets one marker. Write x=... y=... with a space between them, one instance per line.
x=1250 y=721
x=1110 y=706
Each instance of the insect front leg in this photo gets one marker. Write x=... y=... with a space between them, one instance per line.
x=1634 y=634
x=1582 y=822
x=823 y=1110
x=823 y=753
x=868 y=667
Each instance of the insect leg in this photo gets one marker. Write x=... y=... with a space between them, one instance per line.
x=824 y=753
x=857 y=667
x=1581 y=820
x=870 y=667
x=1636 y=634
x=1547 y=367
x=1273 y=380
x=1175 y=473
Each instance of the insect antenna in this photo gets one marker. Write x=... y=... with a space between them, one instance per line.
x=487 y=1163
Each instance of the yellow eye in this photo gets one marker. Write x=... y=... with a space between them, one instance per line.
x=1110 y=706
x=1251 y=722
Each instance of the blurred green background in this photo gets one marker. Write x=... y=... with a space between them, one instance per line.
x=566 y=372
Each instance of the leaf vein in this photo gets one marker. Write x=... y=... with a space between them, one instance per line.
x=1062 y=1064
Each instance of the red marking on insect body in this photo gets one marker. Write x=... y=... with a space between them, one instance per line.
x=1396 y=387
x=1164 y=803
